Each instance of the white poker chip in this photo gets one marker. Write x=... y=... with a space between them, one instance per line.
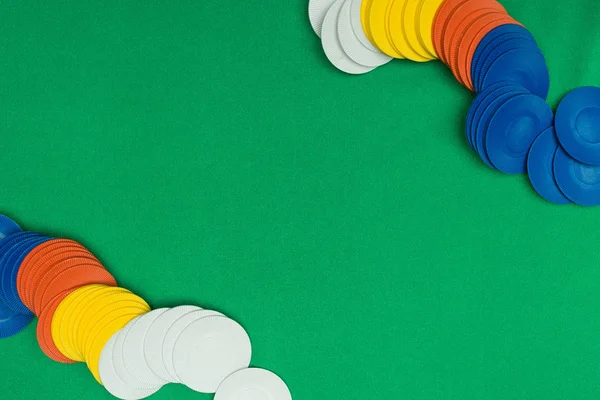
x=133 y=349
x=170 y=338
x=119 y=361
x=352 y=45
x=111 y=380
x=357 y=27
x=317 y=9
x=332 y=45
x=253 y=384
x=155 y=336
x=209 y=350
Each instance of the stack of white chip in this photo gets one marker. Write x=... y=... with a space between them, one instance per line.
x=199 y=348
x=338 y=24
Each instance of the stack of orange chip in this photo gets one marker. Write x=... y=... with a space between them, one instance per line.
x=48 y=274
x=458 y=28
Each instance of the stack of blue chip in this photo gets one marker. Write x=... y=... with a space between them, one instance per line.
x=509 y=53
x=503 y=122
x=14 y=247
x=576 y=164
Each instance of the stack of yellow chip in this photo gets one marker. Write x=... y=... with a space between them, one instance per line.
x=88 y=317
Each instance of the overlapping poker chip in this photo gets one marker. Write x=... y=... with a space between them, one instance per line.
x=129 y=348
x=509 y=124
x=477 y=39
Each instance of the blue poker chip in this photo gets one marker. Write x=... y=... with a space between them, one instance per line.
x=7 y=244
x=512 y=130
x=524 y=65
x=11 y=322
x=540 y=167
x=483 y=116
x=472 y=115
x=8 y=227
x=484 y=51
x=578 y=124
x=9 y=267
x=491 y=39
x=579 y=182
x=511 y=43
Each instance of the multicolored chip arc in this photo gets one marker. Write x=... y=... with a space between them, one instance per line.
x=495 y=56
x=85 y=317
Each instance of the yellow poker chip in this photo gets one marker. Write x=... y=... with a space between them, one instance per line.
x=397 y=32
x=115 y=309
x=123 y=309
x=365 y=8
x=85 y=308
x=96 y=309
x=378 y=22
x=62 y=315
x=104 y=334
x=409 y=27
x=425 y=17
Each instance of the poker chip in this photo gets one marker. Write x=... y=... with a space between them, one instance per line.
x=578 y=124
x=463 y=15
x=488 y=107
x=476 y=31
x=44 y=330
x=208 y=350
x=8 y=227
x=9 y=263
x=398 y=29
x=579 y=182
x=332 y=45
x=425 y=15
x=410 y=29
x=522 y=65
x=155 y=335
x=30 y=262
x=108 y=375
x=73 y=277
x=475 y=110
x=253 y=383
x=494 y=37
x=317 y=9
x=106 y=331
x=133 y=349
x=512 y=130
x=540 y=167
x=353 y=40
x=11 y=322
x=172 y=335
x=495 y=50
x=53 y=267
x=118 y=362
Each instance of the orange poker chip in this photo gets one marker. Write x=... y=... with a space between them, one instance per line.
x=44 y=330
x=31 y=260
x=52 y=268
x=457 y=39
x=39 y=268
x=473 y=36
x=74 y=277
x=464 y=15
x=439 y=25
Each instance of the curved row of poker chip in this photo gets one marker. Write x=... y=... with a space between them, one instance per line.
x=509 y=125
x=467 y=35
x=131 y=350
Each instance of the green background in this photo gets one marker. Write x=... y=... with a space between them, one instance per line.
x=208 y=153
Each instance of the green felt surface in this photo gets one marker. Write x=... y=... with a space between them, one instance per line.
x=208 y=154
